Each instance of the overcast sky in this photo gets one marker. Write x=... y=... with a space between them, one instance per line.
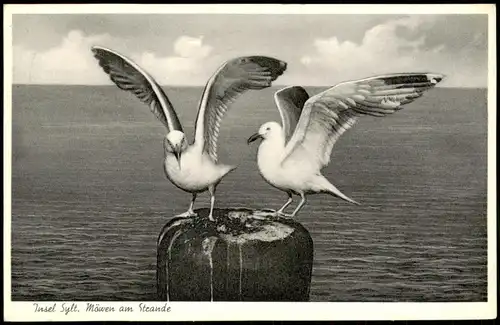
x=185 y=49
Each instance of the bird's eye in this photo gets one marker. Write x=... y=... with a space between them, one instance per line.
x=268 y=129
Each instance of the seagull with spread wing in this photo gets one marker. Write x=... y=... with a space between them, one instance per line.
x=291 y=157
x=194 y=167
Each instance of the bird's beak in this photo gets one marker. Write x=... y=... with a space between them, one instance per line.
x=178 y=154
x=254 y=137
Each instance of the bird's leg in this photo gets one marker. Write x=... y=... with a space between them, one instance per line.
x=190 y=212
x=301 y=204
x=287 y=203
x=211 y=189
x=191 y=205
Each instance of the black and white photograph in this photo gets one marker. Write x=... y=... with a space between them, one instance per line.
x=160 y=157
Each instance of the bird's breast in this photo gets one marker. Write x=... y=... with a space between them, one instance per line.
x=289 y=174
x=269 y=158
x=195 y=172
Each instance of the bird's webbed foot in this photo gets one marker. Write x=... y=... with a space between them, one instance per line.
x=284 y=215
x=188 y=214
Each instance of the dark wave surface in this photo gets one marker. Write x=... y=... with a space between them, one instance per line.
x=89 y=196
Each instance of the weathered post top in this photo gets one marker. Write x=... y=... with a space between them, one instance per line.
x=245 y=255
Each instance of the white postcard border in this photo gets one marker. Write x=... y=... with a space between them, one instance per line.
x=24 y=311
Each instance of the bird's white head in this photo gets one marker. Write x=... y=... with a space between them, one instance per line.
x=266 y=131
x=175 y=143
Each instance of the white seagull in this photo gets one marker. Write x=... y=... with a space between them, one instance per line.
x=193 y=167
x=291 y=157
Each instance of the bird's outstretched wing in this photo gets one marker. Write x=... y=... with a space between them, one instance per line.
x=232 y=79
x=327 y=115
x=290 y=102
x=128 y=76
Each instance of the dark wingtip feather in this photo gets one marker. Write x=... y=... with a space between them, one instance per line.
x=409 y=78
x=406 y=78
x=435 y=78
x=297 y=94
x=276 y=67
x=98 y=50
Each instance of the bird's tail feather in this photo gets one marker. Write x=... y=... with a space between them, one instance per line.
x=336 y=192
x=228 y=168
x=331 y=189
